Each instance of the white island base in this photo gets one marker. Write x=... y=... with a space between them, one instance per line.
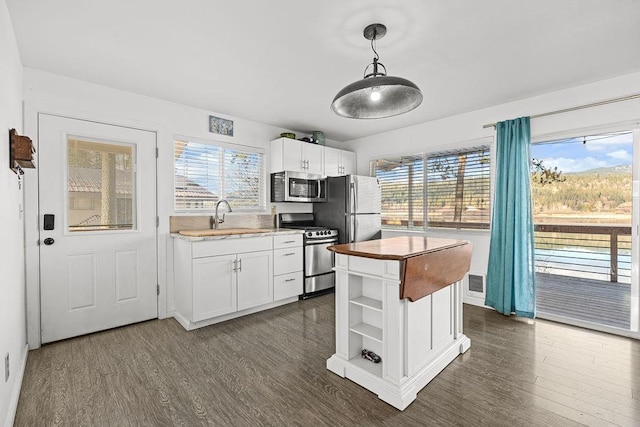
x=416 y=340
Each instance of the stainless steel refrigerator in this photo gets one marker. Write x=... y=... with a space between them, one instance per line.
x=352 y=207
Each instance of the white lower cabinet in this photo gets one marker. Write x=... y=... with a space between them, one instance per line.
x=216 y=280
x=255 y=279
x=287 y=266
x=214 y=287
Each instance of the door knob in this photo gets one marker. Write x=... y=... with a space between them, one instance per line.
x=48 y=241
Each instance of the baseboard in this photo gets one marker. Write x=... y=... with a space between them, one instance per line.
x=15 y=395
x=189 y=325
x=473 y=300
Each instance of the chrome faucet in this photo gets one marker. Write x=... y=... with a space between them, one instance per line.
x=215 y=220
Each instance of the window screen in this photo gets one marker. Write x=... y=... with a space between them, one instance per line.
x=207 y=172
x=445 y=189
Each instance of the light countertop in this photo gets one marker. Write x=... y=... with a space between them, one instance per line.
x=273 y=232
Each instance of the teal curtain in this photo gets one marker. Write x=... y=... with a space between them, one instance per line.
x=510 y=274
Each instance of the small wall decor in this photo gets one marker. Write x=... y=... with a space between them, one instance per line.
x=20 y=152
x=220 y=126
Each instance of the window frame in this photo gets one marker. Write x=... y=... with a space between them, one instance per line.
x=261 y=208
x=422 y=222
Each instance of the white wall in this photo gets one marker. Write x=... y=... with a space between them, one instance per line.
x=51 y=93
x=12 y=294
x=440 y=134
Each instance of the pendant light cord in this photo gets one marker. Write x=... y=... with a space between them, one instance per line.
x=375 y=62
x=373 y=47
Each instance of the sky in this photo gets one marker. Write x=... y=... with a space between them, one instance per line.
x=573 y=155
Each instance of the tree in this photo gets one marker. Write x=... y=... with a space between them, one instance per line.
x=540 y=174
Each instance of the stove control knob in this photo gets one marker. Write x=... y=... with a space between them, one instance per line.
x=309 y=234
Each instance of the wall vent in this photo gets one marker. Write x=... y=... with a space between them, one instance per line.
x=476 y=283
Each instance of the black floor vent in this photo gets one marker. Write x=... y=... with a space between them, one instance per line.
x=476 y=283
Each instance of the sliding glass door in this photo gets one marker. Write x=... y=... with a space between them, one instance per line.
x=586 y=218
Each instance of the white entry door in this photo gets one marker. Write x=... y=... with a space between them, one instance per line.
x=97 y=213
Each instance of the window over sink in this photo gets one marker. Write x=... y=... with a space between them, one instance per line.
x=208 y=171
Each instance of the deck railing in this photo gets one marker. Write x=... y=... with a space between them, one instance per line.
x=591 y=251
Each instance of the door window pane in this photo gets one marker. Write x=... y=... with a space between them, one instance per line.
x=100 y=185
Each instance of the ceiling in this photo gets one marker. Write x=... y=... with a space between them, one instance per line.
x=281 y=62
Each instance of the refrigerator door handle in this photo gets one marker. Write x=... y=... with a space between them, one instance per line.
x=353 y=233
x=353 y=194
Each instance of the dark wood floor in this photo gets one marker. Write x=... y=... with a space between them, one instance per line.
x=269 y=369
x=596 y=301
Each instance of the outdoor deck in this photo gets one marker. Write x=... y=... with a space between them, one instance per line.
x=598 y=301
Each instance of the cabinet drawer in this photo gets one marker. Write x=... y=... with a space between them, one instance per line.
x=287 y=260
x=287 y=285
x=231 y=246
x=287 y=241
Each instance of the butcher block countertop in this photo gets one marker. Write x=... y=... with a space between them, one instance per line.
x=428 y=263
x=396 y=248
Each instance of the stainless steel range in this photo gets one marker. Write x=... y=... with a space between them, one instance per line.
x=318 y=261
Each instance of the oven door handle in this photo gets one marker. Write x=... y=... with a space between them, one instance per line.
x=318 y=242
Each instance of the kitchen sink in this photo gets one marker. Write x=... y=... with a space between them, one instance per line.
x=223 y=232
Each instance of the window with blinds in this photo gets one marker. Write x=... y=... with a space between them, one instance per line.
x=207 y=172
x=458 y=185
x=402 y=186
x=446 y=189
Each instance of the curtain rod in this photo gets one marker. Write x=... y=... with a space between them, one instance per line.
x=580 y=107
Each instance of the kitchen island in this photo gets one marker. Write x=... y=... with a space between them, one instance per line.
x=400 y=298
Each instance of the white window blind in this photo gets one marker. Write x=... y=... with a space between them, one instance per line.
x=402 y=182
x=207 y=172
x=458 y=185
x=446 y=189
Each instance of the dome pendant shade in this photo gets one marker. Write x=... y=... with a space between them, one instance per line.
x=358 y=100
x=377 y=95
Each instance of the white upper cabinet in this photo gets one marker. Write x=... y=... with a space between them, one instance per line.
x=299 y=156
x=339 y=162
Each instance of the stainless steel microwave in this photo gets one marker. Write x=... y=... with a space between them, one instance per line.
x=290 y=186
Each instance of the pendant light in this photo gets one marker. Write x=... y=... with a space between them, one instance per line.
x=376 y=95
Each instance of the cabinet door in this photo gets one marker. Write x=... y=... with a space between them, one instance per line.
x=214 y=287
x=348 y=163
x=314 y=157
x=332 y=161
x=255 y=279
x=292 y=155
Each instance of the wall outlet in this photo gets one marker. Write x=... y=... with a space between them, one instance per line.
x=6 y=368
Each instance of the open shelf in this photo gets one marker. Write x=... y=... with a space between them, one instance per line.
x=367 y=302
x=374 y=368
x=368 y=331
